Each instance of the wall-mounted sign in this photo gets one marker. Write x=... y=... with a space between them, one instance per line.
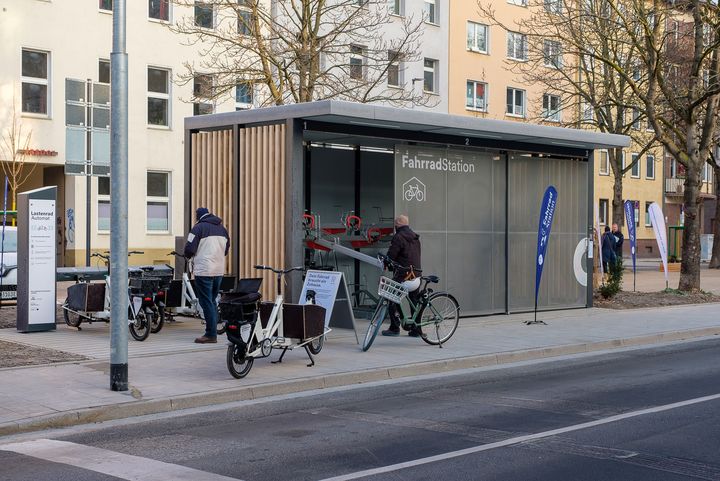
x=38 y=152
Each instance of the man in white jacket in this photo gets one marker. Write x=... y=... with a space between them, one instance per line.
x=207 y=245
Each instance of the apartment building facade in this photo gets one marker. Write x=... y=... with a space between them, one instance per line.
x=484 y=84
x=47 y=46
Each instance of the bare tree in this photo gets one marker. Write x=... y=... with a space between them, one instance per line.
x=14 y=144
x=558 y=39
x=303 y=50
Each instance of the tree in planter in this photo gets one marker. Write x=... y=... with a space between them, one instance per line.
x=303 y=50
x=14 y=145
x=558 y=41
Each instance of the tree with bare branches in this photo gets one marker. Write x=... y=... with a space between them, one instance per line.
x=579 y=91
x=14 y=146
x=294 y=51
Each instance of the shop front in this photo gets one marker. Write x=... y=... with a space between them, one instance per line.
x=315 y=184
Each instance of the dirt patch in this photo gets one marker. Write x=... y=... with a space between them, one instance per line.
x=669 y=297
x=13 y=355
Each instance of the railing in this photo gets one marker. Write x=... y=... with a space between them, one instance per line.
x=674 y=186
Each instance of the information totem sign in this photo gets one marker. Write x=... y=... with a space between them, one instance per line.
x=36 y=260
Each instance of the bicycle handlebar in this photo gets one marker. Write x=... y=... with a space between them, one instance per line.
x=177 y=254
x=106 y=255
x=278 y=271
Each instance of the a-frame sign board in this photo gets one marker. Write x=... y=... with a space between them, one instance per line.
x=332 y=293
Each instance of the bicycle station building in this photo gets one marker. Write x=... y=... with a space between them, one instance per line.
x=471 y=187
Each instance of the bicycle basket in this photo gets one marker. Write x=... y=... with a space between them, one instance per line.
x=391 y=290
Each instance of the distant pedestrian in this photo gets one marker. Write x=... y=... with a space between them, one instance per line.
x=207 y=245
x=619 y=239
x=608 y=249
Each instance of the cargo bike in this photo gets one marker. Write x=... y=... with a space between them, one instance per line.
x=253 y=326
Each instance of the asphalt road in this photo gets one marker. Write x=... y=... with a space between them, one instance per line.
x=638 y=415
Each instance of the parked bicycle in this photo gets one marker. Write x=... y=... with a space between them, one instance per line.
x=437 y=313
x=181 y=299
x=90 y=302
x=253 y=335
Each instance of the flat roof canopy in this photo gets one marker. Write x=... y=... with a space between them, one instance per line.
x=368 y=116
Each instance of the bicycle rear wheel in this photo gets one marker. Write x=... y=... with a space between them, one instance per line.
x=375 y=324
x=439 y=319
x=238 y=363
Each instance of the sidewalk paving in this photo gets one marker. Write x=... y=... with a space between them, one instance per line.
x=169 y=372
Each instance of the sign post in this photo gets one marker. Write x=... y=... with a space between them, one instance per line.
x=630 y=221
x=332 y=293
x=36 y=260
x=547 y=212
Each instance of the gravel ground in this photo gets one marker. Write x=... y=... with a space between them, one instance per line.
x=13 y=355
x=669 y=297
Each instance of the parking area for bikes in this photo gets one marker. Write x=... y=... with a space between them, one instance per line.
x=169 y=369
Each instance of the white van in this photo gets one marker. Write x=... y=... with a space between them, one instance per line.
x=8 y=268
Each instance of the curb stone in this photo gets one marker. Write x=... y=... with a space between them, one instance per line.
x=155 y=406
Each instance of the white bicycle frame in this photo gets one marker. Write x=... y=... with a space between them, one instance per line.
x=262 y=335
x=190 y=306
x=135 y=303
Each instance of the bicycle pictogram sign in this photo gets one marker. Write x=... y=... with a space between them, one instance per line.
x=414 y=189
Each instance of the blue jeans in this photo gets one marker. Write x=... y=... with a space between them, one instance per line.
x=207 y=290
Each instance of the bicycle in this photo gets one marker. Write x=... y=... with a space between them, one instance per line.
x=87 y=303
x=437 y=310
x=250 y=339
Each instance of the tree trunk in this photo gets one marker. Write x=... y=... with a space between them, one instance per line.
x=715 y=259
x=690 y=268
x=617 y=200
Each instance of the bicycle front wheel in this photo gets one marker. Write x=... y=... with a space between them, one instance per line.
x=375 y=324
x=440 y=318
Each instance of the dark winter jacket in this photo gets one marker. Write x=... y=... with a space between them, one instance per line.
x=207 y=244
x=619 y=238
x=405 y=250
x=608 y=247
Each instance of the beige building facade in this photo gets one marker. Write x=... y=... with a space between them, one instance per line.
x=482 y=84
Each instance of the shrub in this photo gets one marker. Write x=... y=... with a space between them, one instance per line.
x=614 y=281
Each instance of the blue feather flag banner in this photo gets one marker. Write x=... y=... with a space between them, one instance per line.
x=547 y=212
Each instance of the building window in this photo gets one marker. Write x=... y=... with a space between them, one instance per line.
x=159 y=9
x=105 y=5
x=35 y=81
x=522 y=3
x=636 y=118
x=551 y=107
x=603 y=211
x=158 y=201
x=204 y=15
x=673 y=168
x=103 y=209
x=158 y=96
x=604 y=160
x=650 y=166
x=553 y=6
x=397 y=7
x=246 y=20
x=515 y=102
x=588 y=112
x=430 y=76
x=477 y=37
x=647 y=214
x=202 y=93
x=394 y=73
x=635 y=169
x=357 y=62
x=243 y=96
x=706 y=173
x=516 y=46
x=476 y=96
x=431 y=13
x=104 y=71
x=552 y=53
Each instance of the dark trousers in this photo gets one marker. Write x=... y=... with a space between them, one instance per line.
x=395 y=310
x=207 y=290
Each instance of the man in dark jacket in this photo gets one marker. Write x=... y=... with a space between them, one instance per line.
x=405 y=250
x=608 y=249
x=619 y=238
x=207 y=245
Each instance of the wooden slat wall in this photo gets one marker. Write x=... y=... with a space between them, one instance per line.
x=212 y=174
x=262 y=203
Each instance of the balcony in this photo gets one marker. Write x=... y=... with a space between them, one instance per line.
x=674 y=186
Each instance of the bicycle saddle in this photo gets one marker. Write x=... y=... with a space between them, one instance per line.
x=431 y=279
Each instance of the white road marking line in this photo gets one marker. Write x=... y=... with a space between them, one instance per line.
x=520 y=439
x=123 y=466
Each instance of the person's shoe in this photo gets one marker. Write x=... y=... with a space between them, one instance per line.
x=415 y=333
x=391 y=333
x=206 y=340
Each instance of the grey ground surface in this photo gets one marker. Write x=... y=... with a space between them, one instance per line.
x=330 y=434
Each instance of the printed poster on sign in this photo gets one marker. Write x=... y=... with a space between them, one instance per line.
x=325 y=284
x=41 y=261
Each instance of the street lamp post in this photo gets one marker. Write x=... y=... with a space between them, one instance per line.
x=119 y=203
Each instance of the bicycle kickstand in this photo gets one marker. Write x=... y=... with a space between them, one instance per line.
x=312 y=359
x=281 y=357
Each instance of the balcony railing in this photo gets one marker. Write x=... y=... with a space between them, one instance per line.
x=674 y=186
